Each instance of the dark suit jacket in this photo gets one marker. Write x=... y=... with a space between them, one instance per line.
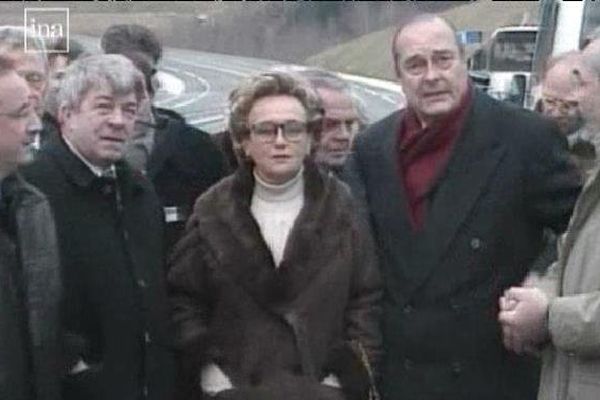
x=509 y=177
x=183 y=164
x=111 y=241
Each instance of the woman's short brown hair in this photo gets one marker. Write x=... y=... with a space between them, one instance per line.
x=266 y=84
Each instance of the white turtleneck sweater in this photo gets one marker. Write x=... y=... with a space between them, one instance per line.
x=275 y=208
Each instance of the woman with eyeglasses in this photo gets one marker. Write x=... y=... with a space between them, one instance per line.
x=274 y=287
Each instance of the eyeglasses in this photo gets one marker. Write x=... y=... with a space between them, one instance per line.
x=332 y=124
x=559 y=104
x=33 y=78
x=418 y=65
x=19 y=115
x=267 y=131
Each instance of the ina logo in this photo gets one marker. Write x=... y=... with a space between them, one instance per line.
x=47 y=25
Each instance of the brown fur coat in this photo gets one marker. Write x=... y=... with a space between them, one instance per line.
x=231 y=306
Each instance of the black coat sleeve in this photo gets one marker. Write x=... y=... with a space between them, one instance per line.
x=552 y=181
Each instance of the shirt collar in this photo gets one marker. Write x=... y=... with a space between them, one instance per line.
x=97 y=171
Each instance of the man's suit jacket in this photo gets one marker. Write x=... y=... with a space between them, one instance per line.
x=509 y=177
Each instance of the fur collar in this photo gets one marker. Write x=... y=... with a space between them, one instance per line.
x=222 y=220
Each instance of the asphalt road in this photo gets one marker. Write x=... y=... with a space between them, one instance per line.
x=197 y=85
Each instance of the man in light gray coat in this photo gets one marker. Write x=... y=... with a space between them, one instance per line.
x=560 y=314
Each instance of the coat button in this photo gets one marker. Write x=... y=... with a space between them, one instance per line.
x=255 y=378
x=456 y=307
x=142 y=283
x=476 y=243
x=297 y=369
x=147 y=338
x=408 y=364
x=408 y=309
x=456 y=368
x=107 y=189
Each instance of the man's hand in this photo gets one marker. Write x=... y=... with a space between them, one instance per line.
x=523 y=315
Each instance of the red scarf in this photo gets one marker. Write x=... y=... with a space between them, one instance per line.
x=423 y=154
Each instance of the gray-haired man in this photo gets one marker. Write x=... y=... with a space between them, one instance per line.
x=110 y=227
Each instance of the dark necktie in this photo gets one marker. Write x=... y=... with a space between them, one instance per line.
x=107 y=181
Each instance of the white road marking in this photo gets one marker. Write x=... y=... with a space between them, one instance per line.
x=378 y=83
x=172 y=102
x=170 y=83
x=207 y=120
x=212 y=67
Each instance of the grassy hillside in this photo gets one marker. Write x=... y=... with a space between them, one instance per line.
x=92 y=18
x=285 y=31
x=370 y=55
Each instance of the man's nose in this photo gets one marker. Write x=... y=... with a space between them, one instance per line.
x=117 y=117
x=280 y=140
x=553 y=112
x=432 y=72
x=342 y=132
x=35 y=98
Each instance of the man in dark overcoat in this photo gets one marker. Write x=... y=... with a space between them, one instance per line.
x=180 y=160
x=110 y=228
x=458 y=188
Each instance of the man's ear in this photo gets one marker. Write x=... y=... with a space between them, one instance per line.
x=243 y=147
x=395 y=57
x=397 y=68
x=64 y=113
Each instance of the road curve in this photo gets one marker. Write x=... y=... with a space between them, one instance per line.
x=197 y=84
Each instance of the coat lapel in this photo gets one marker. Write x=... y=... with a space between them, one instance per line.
x=390 y=182
x=472 y=164
x=587 y=203
x=250 y=263
x=302 y=260
x=387 y=201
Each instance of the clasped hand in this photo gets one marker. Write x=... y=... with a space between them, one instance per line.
x=524 y=319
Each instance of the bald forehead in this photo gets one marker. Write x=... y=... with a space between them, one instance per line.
x=332 y=98
x=560 y=77
x=593 y=47
x=428 y=31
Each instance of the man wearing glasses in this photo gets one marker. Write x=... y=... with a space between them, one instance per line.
x=559 y=100
x=559 y=103
x=458 y=188
x=30 y=285
x=561 y=314
x=31 y=65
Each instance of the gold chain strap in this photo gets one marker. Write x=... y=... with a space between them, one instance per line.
x=373 y=393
